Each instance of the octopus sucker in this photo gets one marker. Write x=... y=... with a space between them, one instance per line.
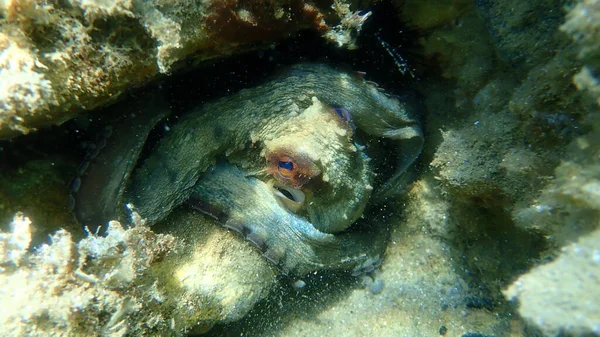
x=222 y=157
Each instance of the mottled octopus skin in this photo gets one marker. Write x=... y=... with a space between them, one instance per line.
x=294 y=115
x=238 y=126
x=248 y=206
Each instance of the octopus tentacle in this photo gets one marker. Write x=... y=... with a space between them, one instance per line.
x=99 y=186
x=247 y=206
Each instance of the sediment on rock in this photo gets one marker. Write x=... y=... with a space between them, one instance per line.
x=58 y=59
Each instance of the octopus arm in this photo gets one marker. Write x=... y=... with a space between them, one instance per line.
x=104 y=173
x=166 y=177
x=247 y=205
x=398 y=124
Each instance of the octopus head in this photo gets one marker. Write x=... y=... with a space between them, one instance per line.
x=291 y=171
x=316 y=168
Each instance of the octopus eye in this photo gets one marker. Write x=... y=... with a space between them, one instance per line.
x=285 y=167
x=292 y=170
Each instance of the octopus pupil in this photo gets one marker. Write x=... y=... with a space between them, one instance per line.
x=288 y=165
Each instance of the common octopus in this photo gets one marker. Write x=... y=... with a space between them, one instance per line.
x=278 y=163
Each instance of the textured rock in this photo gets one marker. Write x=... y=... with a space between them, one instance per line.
x=562 y=296
x=518 y=32
x=57 y=59
x=57 y=290
x=582 y=25
x=214 y=266
x=132 y=282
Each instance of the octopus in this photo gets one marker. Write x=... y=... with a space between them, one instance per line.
x=279 y=163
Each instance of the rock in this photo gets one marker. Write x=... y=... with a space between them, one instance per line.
x=133 y=281
x=562 y=296
x=518 y=32
x=78 y=289
x=214 y=266
x=582 y=24
x=35 y=183
x=430 y=14
x=59 y=59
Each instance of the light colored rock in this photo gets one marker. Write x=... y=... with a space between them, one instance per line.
x=56 y=290
x=562 y=296
x=60 y=58
x=218 y=265
x=14 y=245
x=133 y=281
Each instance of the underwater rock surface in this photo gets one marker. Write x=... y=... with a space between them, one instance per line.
x=562 y=296
x=58 y=59
x=66 y=287
x=130 y=282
